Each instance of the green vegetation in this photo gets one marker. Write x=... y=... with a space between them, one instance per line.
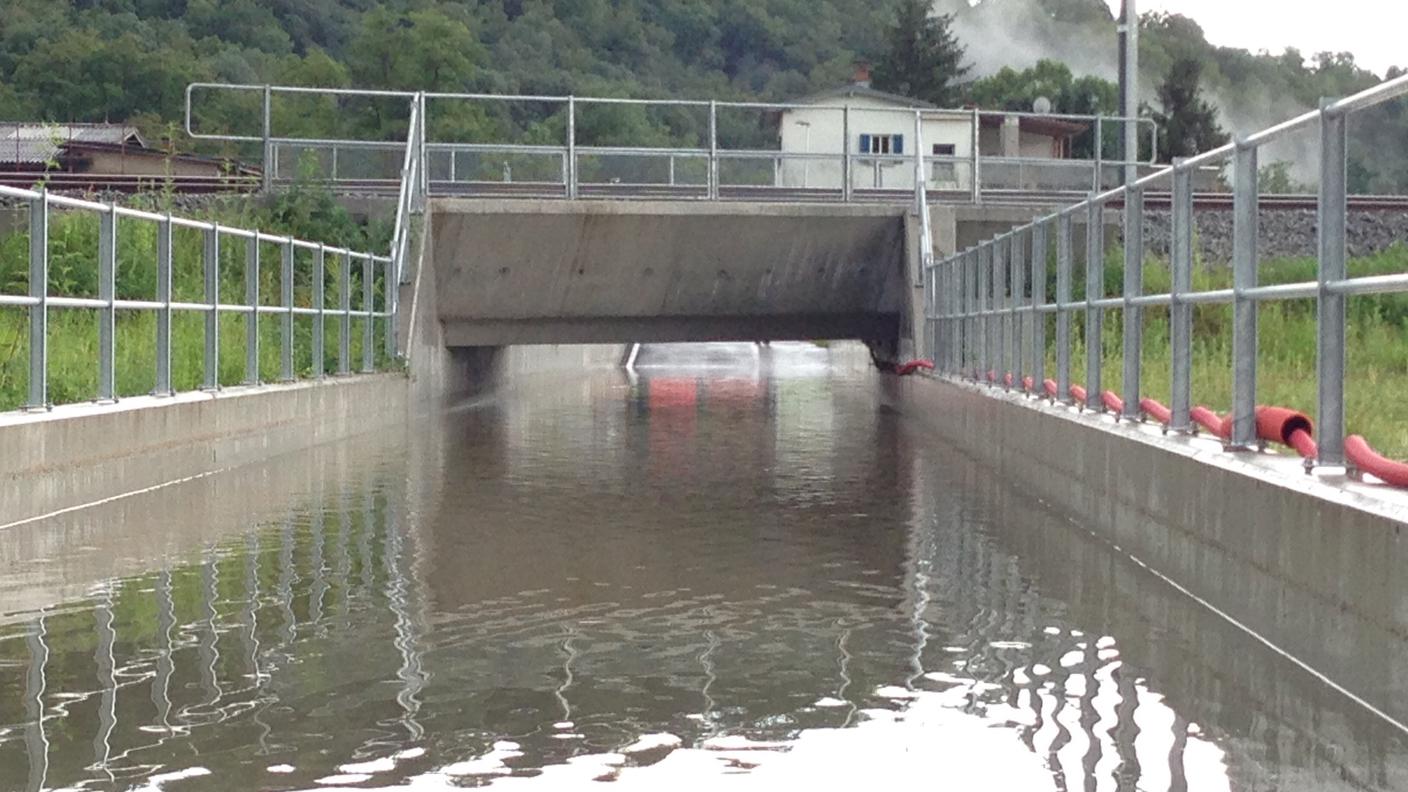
x=1377 y=367
x=304 y=212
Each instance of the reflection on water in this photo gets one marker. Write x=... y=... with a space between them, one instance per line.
x=734 y=569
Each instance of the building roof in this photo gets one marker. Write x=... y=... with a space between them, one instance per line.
x=860 y=91
x=38 y=143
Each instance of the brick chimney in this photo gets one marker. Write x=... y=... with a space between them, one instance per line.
x=861 y=79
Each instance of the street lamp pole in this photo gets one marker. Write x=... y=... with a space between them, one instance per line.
x=1129 y=88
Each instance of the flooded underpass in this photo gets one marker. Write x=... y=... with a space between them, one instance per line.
x=732 y=568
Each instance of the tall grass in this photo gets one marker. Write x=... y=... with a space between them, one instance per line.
x=304 y=212
x=1377 y=344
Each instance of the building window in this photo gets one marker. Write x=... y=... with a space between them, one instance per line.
x=944 y=150
x=882 y=144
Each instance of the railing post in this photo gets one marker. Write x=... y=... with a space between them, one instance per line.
x=1180 y=311
x=976 y=188
x=1094 y=290
x=39 y=290
x=1098 y=182
x=1065 y=229
x=984 y=303
x=1133 y=287
x=422 y=155
x=713 y=179
x=319 y=305
x=344 y=301
x=1038 y=302
x=210 y=260
x=389 y=306
x=1330 y=314
x=368 y=327
x=846 y=153
x=286 y=317
x=107 y=316
x=268 y=126
x=972 y=339
x=1016 y=322
x=251 y=298
x=163 y=314
x=572 y=147
x=1244 y=311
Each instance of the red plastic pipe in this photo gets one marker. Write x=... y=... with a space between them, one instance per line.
x=992 y=376
x=1007 y=379
x=1078 y=393
x=1028 y=384
x=1209 y=420
x=1364 y=457
x=1113 y=402
x=1050 y=387
x=1157 y=411
x=1284 y=425
x=914 y=365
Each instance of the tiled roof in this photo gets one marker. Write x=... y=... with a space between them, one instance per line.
x=34 y=144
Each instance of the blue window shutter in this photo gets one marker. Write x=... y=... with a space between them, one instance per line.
x=865 y=144
x=899 y=144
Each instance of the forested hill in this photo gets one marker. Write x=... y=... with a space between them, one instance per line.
x=94 y=60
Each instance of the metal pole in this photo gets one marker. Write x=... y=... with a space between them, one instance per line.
x=211 y=266
x=1244 y=311
x=976 y=188
x=984 y=303
x=389 y=306
x=268 y=127
x=846 y=153
x=422 y=155
x=251 y=297
x=163 y=314
x=970 y=304
x=1180 y=311
x=1064 y=232
x=39 y=290
x=1017 y=323
x=319 y=305
x=919 y=180
x=344 y=300
x=1094 y=290
x=286 y=318
x=572 y=147
x=713 y=182
x=107 y=292
x=1133 y=287
x=368 y=365
x=1129 y=89
x=1099 y=182
x=1038 y=301
x=1330 y=314
x=1002 y=325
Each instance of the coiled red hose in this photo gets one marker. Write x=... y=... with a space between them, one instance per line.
x=1362 y=456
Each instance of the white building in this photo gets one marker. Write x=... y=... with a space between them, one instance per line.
x=881 y=128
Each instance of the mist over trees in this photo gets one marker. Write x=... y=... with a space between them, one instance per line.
x=130 y=60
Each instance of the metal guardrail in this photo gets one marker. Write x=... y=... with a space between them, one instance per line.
x=709 y=171
x=39 y=301
x=982 y=317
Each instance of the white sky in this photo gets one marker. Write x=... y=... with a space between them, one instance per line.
x=1376 y=31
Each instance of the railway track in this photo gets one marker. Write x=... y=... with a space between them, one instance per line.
x=1047 y=199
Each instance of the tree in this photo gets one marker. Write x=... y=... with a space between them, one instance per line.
x=1188 y=123
x=924 y=59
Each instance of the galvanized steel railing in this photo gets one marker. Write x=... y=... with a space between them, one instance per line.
x=699 y=172
x=983 y=320
x=39 y=301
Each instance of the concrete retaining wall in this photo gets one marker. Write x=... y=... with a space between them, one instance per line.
x=1313 y=565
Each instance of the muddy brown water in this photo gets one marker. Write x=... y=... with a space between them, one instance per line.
x=735 y=569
